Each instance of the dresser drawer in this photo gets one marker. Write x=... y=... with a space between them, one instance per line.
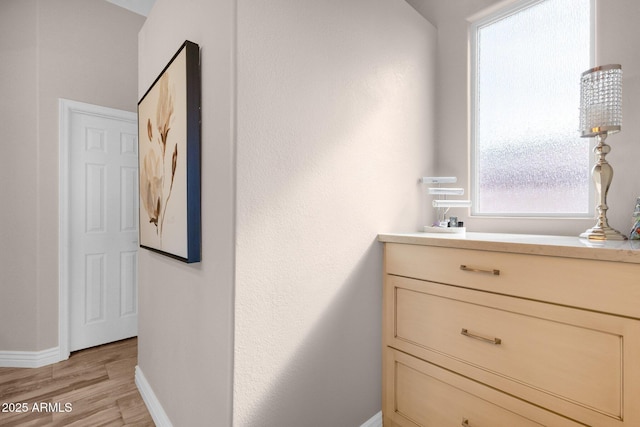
x=568 y=360
x=422 y=394
x=596 y=285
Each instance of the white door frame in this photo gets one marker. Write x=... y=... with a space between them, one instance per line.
x=66 y=107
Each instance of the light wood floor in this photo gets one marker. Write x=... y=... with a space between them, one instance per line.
x=94 y=387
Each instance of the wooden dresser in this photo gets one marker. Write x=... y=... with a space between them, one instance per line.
x=494 y=330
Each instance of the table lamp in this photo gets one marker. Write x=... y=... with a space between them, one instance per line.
x=601 y=115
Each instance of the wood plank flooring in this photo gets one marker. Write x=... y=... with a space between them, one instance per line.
x=94 y=387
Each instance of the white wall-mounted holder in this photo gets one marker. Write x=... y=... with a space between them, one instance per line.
x=442 y=204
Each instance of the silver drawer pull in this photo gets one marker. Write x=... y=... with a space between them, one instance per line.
x=494 y=341
x=477 y=270
x=465 y=423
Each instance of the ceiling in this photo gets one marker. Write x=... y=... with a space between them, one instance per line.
x=435 y=11
x=141 y=7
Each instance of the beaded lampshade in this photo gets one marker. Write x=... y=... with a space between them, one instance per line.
x=601 y=100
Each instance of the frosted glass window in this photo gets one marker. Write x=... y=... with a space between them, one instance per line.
x=528 y=158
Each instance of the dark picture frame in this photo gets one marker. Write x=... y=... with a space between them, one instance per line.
x=169 y=159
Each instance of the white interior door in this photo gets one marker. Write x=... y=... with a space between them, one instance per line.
x=103 y=227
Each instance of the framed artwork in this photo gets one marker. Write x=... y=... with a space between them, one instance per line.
x=169 y=158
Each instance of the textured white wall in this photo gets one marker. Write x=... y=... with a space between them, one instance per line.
x=49 y=49
x=334 y=127
x=618 y=41
x=335 y=122
x=18 y=175
x=617 y=34
x=185 y=324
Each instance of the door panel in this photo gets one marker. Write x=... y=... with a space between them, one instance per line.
x=103 y=229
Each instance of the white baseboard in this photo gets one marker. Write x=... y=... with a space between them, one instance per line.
x=162 y=420
x=375 y=421
x=29 y=359
x=153 y=404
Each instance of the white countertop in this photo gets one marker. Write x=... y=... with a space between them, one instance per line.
x=561 y=246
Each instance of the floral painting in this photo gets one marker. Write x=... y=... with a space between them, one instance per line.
x=169 y=159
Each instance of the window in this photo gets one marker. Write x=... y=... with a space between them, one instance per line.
x=527 y=156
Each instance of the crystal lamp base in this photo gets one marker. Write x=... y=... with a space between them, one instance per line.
x=603 y=233
x=602 y=174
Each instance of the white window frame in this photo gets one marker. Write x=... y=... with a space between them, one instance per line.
x=478 y=22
